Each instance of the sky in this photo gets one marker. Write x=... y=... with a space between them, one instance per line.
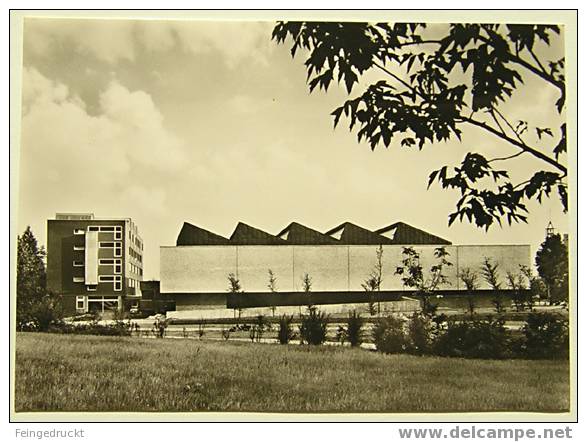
x=212 y=123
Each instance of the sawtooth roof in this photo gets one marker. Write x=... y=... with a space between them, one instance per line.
x=351 y=234
x=245 y=235
x=402 y=233
x=299 y=234
x=191 y=235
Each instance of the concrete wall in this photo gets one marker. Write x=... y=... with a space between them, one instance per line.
x=204 y=269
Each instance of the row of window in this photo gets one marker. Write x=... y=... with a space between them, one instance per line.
x=136 y=269
x=135 y=255
x=116 y=245
x=80 y=301
x=117 y=230
x=117 y=263
x=116 y=279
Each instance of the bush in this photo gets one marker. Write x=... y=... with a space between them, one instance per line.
x=92 y=328
x=313 y=327
x=285 y=333
x=46 y=312
x=354 y=329
x=389 y=335
x=546 y=336
x=420 y=334
x=483 y=339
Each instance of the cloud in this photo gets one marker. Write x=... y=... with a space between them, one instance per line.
x=107 y=40
x=79 y=158
x=111 y=41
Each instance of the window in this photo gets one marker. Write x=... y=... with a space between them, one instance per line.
x=91 y=287
x=117 y=286
x=79 y=247
x=118 y=269
x=107 y=229
x=78 y=279
x=106 y=245
x=106 y=262
x=78 y=263
x=118 y=249
x=79 y=232
x=117 y=235
x=80 y=302
x=105 y=278
x=94 y=229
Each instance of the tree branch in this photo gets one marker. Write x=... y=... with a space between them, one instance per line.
x=537 y=61
x=406 y=84
x=507 y=158
x=510 y=126
x=519 y=60
x=517 y=143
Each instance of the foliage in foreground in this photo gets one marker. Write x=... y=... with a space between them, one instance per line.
x=285 y=332
x=313 y=327
x=36 y=308
x=422 y=98
x=545 y=336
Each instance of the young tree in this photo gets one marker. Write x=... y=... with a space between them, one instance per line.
x=438 y=80
x=413 y=276
x=31 y=277
x=372 y=284
x=517 y=285
x=234 y=286
x=272 y=286
x=490 y=274
x=307 y=288
x=469 y=278
x=552 y=262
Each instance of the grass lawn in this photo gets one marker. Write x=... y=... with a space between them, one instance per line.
x=95 y=373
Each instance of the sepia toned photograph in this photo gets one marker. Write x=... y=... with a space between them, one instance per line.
x=361 y=214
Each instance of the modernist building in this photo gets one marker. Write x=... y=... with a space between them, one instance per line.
x=194 y=272
x=96 y=264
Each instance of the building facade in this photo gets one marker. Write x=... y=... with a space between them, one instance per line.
x=95 y=264
x=195 y=271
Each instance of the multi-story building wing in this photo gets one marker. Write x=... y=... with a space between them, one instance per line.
x=95 y=264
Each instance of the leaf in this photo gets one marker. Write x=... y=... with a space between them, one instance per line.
x=540 y=131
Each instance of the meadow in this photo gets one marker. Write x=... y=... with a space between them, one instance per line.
x=97 y=373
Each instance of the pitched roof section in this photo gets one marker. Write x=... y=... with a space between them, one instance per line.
x=402 y=233
x=351 y=234
x=191 y=235
x=299 y=234
x=245 y=235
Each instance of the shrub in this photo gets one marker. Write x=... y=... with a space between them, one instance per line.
x=92 y=328
x=354 y=329
x=46 y=312
x=201 y=331
x=420 y=334
x=285 y=333
x=313 y=327
x=546 y=336
x=483 y=339
x=389 y=335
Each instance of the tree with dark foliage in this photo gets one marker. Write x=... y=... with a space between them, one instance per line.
x=31 y=278
x=436 y=85
x=552 y=262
